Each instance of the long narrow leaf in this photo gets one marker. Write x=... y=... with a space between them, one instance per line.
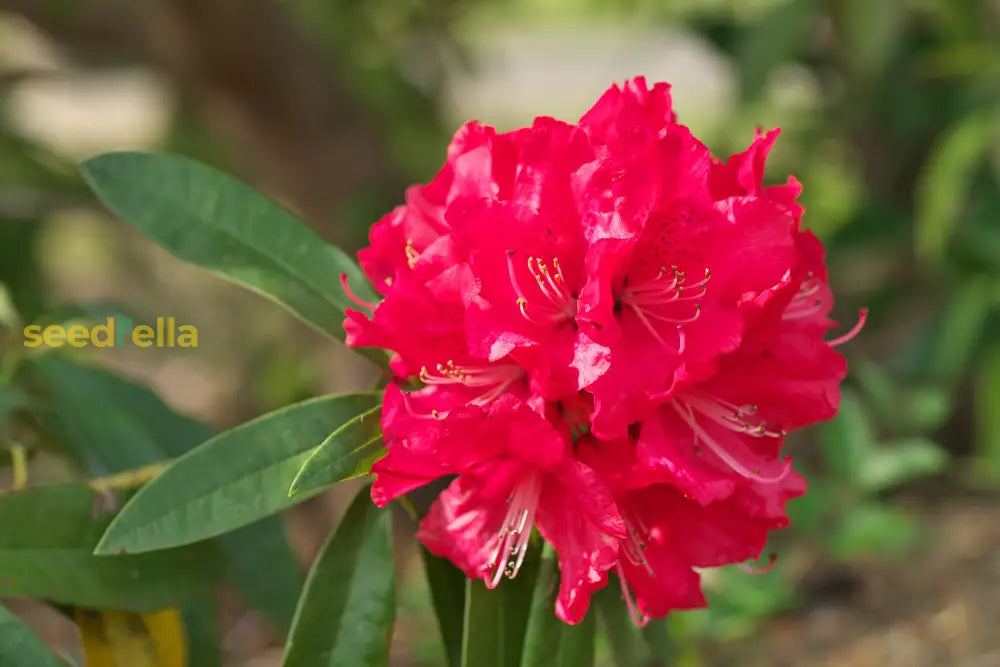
x=347 y=609
x=114 y=424
x=482 y=640
x=213 y=221
x=622 y=634
x=19 y=646
x=447 y=585
x=46 y=551
x=549 y=642
x=232 y=480
x=347 y=453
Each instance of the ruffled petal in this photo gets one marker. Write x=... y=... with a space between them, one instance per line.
x=577 y=514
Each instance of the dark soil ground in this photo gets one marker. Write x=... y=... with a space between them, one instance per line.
x=939 y=606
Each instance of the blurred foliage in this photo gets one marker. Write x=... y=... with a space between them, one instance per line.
x=891 y=119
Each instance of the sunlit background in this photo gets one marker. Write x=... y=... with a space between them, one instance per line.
x=891 y=118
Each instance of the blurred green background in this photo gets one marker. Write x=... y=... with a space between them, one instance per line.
x=891 y=118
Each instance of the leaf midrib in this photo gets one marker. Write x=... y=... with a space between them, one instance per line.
x=199 y=451
x=158 y=516
x=258 y=253
x=184 y=204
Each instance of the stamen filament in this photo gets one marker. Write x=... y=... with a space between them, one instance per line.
x=731 y=416
x=514 y=534
x=638 y=617
x=649 y=299
x=855 y=330
x=557 y=304
x=353 y=297
x=687 y=414
x=764 y=569
x=495 y=378
x=634 y=546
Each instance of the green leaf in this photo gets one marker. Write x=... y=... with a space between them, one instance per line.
x=46 y=551
x=549 y=642
x=622 y=633
x=899 y=461
x=848 y=439
x=262 y=547
x=232 y=480
x=447 y=585
x=660 y=641
x=870 y=32
x=809 y=511
x=213 y=221
x=19 y=646
x=202 y=630
x=877 y=384
x=346 y=612
x=346 y=454
x=20 y=272
x=987 y=398
x=947 y=175
x=482 y=639
x=88 y=313
x=518 y=594
x=11 y=399
x=774 y=39
x=115 y=424
x=107 y=422
x=738 y=602
x=923 y=409
x=495 y=622
x=870 y=529
x=961 y=326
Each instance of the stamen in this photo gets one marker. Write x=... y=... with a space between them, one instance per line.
x=649 y=327
x=687 y=414
x=731 y=416
x=514 y=534
x=638 y=617
x=411 y=253
x=680 y=321
x=557 y=303
x=433 y=414
x=634 y=547
x=807 y=302
x=513 y=276
x=752 y=569
x=650 y=301
x=495 y=378
x=353 y=297
x=855 y=330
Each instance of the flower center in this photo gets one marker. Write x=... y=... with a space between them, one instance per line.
x=515 y=532
x=736 y=418
x=665 y=302
x=494 y=379
x=552 y=303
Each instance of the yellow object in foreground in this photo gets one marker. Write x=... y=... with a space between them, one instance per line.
x=127 y=639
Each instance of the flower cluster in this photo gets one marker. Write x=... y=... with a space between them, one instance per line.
x=613 y=332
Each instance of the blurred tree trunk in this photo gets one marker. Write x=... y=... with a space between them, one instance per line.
x=254 y=78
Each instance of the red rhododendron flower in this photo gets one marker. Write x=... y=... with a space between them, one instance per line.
x=514 y=473
x=614 y=332
x=669 y=533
